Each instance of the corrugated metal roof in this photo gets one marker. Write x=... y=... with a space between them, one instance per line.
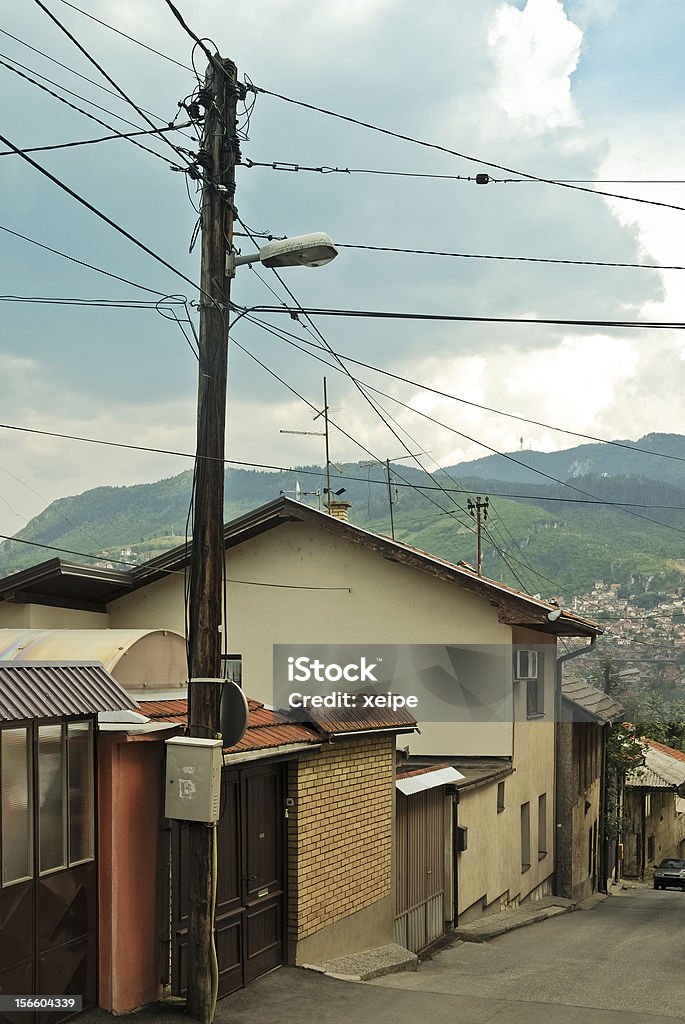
x=337 y=721
x=661 y=770
x=50 y=690
x=590 y=700
x=671 y=751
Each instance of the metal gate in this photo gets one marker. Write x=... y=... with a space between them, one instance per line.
x=419 y=868
x=250 y=906
x=48 y=917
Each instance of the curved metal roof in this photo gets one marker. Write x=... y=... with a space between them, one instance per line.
x=107 y=646
x=139 y=659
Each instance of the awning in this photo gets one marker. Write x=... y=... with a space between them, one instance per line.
x=418 y=782
x=30 y=690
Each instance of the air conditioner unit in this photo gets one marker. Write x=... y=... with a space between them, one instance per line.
x=526 y=665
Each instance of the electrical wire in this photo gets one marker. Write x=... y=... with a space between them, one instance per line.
x=73 y=71
x=132 y=39
x=89 y=57
x=99 y=303
x=91 y=142
x=369 y=314
x=286 y=335
x=82 y=263
x=312 y=472
x=509 y=259
x=85 y=113
x=285 y=165
x=356 y=383
x=101 y=215
x=622 y=507
x=166 y=572
x=463 y=156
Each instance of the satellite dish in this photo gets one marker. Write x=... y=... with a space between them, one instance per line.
x=233 y=713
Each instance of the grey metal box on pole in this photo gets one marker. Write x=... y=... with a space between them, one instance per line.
x=193 y=779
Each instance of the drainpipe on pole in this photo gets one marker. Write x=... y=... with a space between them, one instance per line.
x=561 y=659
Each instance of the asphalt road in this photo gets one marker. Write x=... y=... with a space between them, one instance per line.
x=626 y=954
x=618 y=963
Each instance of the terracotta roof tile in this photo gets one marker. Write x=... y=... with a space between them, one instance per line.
x=335 y=721
x=678 y=754
x=265 y=728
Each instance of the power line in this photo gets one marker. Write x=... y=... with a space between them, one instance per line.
x=102 y=71
x=492 y=256
x=99 y=213
x=91 y=142
x=462 y=156
x=510 y=259
x=510 y=415
x=357 y=384
x=132 y=39
x=312 y=472
x=282 y=333
x=533 y=469
x=167 y=572
x=73 y=71
x=99 y=303
x=369 y=314
x=85 y=113
x=284 y=165
x=82 y=263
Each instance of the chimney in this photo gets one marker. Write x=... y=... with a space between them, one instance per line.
x=338 y=509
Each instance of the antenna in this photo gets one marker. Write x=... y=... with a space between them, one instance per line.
x=391 y=482
x=320 y=433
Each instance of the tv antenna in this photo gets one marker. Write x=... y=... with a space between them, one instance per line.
x=322 y=433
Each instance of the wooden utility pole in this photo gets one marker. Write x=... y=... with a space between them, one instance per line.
x=479 y=511
x=217 y=158
x=390 y=502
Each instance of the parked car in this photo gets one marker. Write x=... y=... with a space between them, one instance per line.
x=670 y=874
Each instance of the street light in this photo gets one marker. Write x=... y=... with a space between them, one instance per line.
x=313 y=250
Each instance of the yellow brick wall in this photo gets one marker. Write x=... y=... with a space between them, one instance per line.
x=339 y=832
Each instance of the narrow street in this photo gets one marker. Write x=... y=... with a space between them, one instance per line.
x=620 y=961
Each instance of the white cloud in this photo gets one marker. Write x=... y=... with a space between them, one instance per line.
x=536 y=50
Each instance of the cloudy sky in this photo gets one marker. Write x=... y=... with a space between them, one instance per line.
x=582 y=89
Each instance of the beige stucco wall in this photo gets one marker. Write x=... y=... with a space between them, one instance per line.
x=380 y=602
x=340 y=831
x=40 y=616
x=490 y=874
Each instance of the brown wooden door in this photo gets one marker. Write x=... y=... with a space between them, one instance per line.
x=249 y=921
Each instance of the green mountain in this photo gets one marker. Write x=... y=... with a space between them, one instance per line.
x=540 y=535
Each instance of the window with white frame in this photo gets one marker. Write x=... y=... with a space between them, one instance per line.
x=529 y=671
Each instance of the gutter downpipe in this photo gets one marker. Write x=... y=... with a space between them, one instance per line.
x=561 y=659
